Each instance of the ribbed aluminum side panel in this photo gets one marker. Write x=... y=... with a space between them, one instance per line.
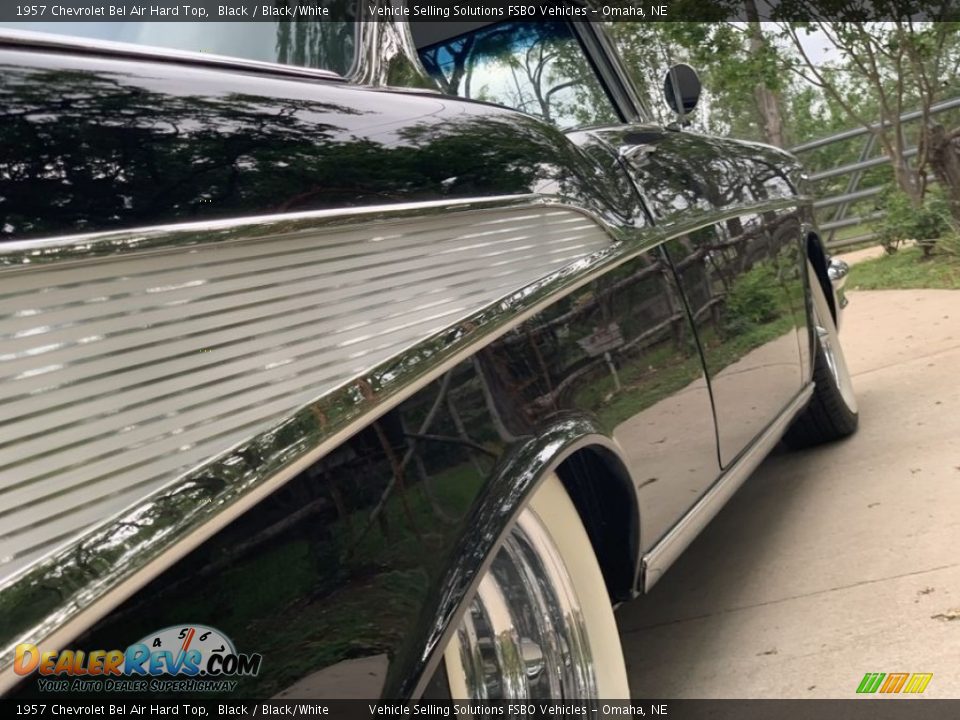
x=118 y=375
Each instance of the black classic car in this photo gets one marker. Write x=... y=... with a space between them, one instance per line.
x=376 y=357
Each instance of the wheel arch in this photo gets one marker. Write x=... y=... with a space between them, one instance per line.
x=590 y=466
x=817 y=255
x=601 y=489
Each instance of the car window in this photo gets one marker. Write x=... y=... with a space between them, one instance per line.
x=324 y=44
x=539 y=68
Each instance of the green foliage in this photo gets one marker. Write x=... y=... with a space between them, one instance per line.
x=949 y=244
x=733 y=61
x=665 y=370
x=753 y=299
x=904 y=220
x=880 y=69
x=909 y=268
x=876 y=65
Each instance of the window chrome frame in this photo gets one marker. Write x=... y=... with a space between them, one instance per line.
x=30 y=39
x=609 y=75
x=614 y=74
x=597 y=50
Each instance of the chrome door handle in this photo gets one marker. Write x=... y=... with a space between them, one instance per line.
x=635 y=153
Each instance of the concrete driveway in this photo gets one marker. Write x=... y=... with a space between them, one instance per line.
x=837 y=561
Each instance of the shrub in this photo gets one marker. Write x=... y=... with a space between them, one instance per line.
x=753 y=299
x=903 y=221
x=950 y=243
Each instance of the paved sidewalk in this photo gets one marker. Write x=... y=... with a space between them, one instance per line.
x=836 y=561
x=856 y=256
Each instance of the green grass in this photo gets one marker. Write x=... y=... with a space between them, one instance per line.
x=852 y=231
x=722 y=353
x=664 y=370
x=650 y=388
x=907 y=268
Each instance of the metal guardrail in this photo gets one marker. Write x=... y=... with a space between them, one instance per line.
x=855 y=170
x=857 y=132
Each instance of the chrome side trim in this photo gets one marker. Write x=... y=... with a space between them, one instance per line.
x=56 y=599
x=206 y=232
x=117 y=377
x=59 y=596
x=669 y=548
x=132 y=51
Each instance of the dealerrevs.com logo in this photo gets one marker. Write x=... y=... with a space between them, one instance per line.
x=181 y=658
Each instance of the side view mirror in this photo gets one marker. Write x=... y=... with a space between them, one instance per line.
x=681 y=88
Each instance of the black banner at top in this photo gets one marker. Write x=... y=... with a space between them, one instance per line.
x=58 y=11
x=850 y=709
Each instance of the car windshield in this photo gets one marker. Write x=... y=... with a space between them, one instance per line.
x=324 y=44
x=539 y=68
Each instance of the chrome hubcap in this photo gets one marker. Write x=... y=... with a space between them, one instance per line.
x=523 y=636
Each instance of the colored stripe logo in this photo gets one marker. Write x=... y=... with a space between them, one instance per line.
x=914 y=683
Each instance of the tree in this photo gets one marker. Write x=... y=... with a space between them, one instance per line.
x=538 y=68
x=901 y=65
x=328 y=44
x=741 y=63
x=765 y=89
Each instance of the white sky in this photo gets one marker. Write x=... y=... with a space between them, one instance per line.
x=819 y=48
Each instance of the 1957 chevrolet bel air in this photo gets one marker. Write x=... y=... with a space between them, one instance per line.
x=383 y=358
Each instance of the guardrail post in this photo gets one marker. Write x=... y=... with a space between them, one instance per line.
x=855 y=171
x=852 y=184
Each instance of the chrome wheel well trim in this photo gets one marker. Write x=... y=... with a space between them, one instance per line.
x=356 y=404
x=525 y=469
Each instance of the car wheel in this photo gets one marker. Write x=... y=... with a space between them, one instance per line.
x=540 y=624
x=832 y=412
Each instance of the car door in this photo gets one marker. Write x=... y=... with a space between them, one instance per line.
x=623 y=349
x=728 y=209
x=736 y=230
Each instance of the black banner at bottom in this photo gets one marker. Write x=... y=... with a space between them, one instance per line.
x=853 y=709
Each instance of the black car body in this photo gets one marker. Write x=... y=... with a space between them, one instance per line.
x=286 y=352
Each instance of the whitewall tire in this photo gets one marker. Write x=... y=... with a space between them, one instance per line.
x=541 y=624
